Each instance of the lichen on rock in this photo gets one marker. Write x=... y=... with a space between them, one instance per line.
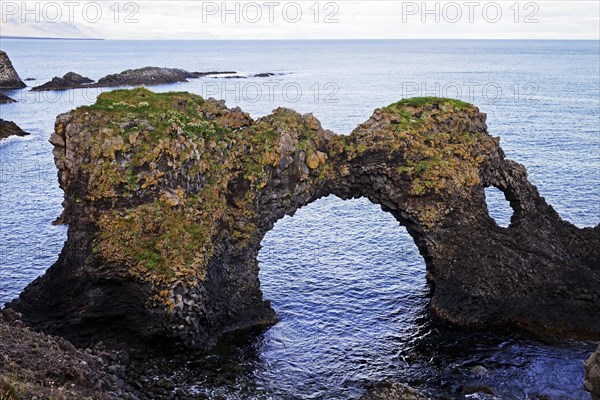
x=169 y=195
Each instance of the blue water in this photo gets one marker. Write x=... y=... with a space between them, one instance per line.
x=346 y=280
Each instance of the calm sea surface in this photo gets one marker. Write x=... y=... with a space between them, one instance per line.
x=346 y=280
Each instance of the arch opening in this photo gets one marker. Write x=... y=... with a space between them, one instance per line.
x=345 y=293
x=498 y=207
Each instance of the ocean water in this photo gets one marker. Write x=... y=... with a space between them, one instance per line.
x=344 y=277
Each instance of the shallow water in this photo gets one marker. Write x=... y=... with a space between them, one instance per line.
x=346 y=280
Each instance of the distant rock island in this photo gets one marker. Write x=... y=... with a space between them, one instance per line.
x=147 y=76
x=9 y=79
x=4 y=99
x=9 y=128
x=168 y=197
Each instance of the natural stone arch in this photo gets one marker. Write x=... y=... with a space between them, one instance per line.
x=168 y=197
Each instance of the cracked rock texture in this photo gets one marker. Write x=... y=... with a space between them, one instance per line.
x=168 y=196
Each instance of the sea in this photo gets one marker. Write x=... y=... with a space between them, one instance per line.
x=345 y=279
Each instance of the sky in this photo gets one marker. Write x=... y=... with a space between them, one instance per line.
x=302 y=19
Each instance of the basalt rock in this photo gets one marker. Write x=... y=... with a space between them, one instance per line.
x=592 y=374
x=9 y=128
x=9 y=79
x=70 y=80
x=57 y=83
x=145 y=76
x=168 y=196
x=4 y=99
x=76 y=78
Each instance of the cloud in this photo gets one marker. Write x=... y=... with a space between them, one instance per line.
x=343 y=19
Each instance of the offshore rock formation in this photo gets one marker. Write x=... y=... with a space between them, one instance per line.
x=168 y=197
x=146 y=76
x=592 y=374
x=9 y=128
x=70 y=80
x=4 y=99
x=9 y=79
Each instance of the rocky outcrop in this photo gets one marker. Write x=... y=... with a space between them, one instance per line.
x=36 y=366
x=4 y=99
x=9 y=128
x=145 y=76
x=592 y=374
x=9 y=79
x=168 y=196
x=70 y=80
x=76 y=78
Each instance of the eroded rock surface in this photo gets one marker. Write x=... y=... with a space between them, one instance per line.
x=9 y=79
x=168 y=197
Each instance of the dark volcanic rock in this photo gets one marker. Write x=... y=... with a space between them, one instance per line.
x=76 y=78
x=145 y=76
x=9 y=79
x=70 y=80
x=4 y=99
x=9 y=128
x=56 y=84
x=168 y=196
x=264 y=75
x=592 y=374
x=36 y=366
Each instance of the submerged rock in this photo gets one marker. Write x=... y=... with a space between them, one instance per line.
x=9 y=79
x=592 y=374
x=211 y=73
x=168 y=196
x=9 y=128
x=393 y=391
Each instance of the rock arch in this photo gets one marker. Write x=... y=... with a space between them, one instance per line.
x=168 y=197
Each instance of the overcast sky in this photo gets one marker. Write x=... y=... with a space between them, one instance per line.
x=301 y=19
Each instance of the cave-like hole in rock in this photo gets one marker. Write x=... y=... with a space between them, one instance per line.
x=348 y=284
x=498 y=207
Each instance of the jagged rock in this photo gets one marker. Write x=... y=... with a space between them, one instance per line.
x=592 y=374
x=165 y=226
x=9 y=79
x=9 y=128
x=393 y=391
x=36 y=366
x=264 y=75
x=4 y=99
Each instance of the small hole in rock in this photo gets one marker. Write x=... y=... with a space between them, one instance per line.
x=498 y=207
